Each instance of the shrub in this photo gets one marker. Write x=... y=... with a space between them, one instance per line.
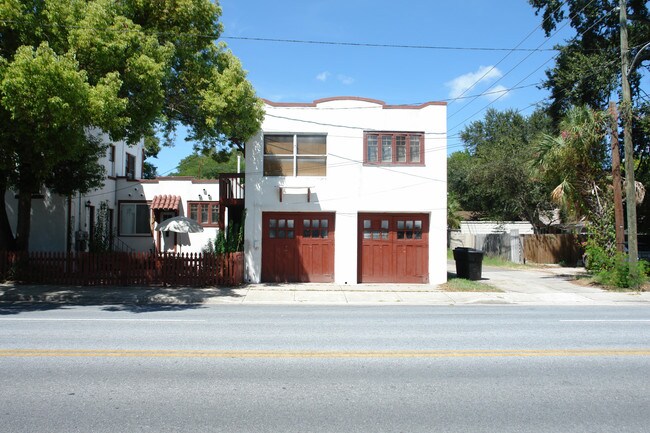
x=618 y=273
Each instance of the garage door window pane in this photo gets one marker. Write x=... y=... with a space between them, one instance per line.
x=290 y=234
x=290 y=224
x=272 y=233
x=281 y=223
x=366 y=224
x=273 y=223
x=417 y=232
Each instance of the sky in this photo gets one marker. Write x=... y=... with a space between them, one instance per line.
x=410 y=52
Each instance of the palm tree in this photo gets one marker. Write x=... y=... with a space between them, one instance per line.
x=453 y=209
x=576 y=161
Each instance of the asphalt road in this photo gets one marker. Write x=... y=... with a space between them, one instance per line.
x=313 y=369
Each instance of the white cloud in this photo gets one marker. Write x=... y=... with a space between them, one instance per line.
x=460 y=84
x=323 y=76
x=345 y=79
x=497 y=92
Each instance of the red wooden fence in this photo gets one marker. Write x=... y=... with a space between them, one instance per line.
x=123 y=269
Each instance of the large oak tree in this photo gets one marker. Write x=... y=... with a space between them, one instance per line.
x=127 y=67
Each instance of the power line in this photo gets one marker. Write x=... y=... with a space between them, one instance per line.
x=527 y=76
x=507 y=55
x=215 y=36
x=377 y=45
x=517 y=65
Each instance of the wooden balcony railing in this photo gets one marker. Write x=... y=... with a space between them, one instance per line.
x=231 y=188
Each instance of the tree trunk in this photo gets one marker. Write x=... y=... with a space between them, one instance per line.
x=7 y=240
x=24 y=220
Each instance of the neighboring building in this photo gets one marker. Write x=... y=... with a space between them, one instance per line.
x=347 y=190
x=130 y=207
x=491 y=227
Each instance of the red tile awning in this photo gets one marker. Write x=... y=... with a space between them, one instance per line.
x=166 y=202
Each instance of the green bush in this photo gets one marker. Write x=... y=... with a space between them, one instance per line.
x=610 y=267
x=619 y=275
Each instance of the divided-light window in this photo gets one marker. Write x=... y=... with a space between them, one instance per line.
x=295 y=155
x=205 y=213
x=393 y=148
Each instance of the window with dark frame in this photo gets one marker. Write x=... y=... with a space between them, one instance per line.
x=295 y=155
x=130 y=166
x=393 y=148
x=134 y=219
x=205 y=213
x=111 y=159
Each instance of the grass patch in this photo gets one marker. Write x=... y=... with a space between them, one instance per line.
x=462 y=285
x=592 y=281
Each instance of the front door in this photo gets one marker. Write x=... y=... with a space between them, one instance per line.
x=167 y=239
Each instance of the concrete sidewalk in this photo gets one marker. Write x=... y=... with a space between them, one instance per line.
x=545 y=286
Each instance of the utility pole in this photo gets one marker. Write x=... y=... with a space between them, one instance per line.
x=616 y=176
x=626 y=113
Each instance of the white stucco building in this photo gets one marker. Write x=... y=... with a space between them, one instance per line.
x=131 y=207
x=347 y=190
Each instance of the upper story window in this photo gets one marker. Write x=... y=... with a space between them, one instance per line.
x=130 y=166
x=393 y=148
x=295 y=155
x=111 y=159
x=205 y=213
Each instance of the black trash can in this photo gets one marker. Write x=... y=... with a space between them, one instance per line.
x=469 y=263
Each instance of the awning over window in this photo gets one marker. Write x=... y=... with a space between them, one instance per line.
x=166 y=202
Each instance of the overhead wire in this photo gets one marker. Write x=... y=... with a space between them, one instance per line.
x=493 y=67
x=523 y=60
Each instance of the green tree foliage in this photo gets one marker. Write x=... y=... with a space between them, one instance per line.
x=208 y=166
x=493 y=177
x=127 y=67
x=587 y=71
x=588 y=66
x=576 y=161
x=453 y=209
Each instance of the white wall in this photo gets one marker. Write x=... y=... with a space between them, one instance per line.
x=350 y=187
x=488 y=227
x=50 y=214
x=48 y=221
x=185 y=187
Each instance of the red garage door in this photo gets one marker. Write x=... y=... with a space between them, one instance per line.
x=298 y=247
x=393 y=248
